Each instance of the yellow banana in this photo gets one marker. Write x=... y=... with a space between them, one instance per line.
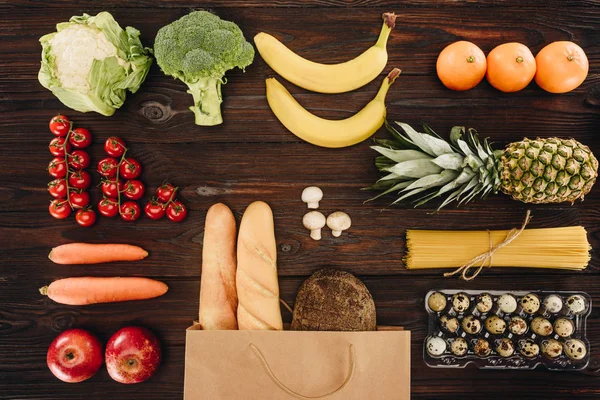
x=324 y=132
x=327 y=78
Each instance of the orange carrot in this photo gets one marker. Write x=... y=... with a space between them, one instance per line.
x=87 y=290
x=86 y=253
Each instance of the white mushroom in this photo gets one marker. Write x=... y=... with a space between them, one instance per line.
x=311 y=196
x=314 y=221
x=338 y=221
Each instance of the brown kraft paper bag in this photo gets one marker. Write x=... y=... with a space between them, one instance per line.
x=269 y=365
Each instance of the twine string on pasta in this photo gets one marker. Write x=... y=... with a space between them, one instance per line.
x=487 y=257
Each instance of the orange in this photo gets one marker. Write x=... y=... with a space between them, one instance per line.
x=561 y=67
x=511 y=67
x=461 y=65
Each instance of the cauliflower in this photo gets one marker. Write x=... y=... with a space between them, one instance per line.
x=198 y=49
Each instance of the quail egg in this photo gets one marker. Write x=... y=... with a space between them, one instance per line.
x=459 y=347
x=484 y=303
x=564 y=327
x=517 y=326
x=471 y=325
x=449 y=324
x=437 y=301
x=530 y=303
x=460 y=302
x=505 y=348
x=529 y=348
x=436 y=346
x=553 y=304
x=552 y=348
x=575 y=349
x=495 y=325
x=541 y=326
x=507 y=303
x=576 y=304
x=482 y=347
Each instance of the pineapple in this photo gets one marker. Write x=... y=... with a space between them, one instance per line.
x=422 y=166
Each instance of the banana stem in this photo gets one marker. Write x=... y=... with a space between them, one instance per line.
x=387 y=82
x=389 y=21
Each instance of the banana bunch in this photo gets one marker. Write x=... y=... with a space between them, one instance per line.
x=328 y=78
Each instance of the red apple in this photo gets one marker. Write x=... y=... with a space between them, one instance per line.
x=74 y=356
x=132 y=355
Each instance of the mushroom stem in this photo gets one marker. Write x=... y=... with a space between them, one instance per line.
x=336 y=233
x=316 y=234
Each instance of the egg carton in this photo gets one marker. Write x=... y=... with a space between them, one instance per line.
x=455 y=341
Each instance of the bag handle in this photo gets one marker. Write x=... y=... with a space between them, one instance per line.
x=289 y=391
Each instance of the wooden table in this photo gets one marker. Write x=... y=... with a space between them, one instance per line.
x=252 y=157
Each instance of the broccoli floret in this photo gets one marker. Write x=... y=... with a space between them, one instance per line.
x=198 y=49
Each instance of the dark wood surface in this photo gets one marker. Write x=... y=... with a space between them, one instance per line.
x=252 y=157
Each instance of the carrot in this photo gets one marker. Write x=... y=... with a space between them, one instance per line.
x=87 y=290
x=86 y=253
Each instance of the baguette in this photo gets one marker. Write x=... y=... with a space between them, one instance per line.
x=256 y=279
x=218 y=296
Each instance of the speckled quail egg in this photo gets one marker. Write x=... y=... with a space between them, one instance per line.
x=541 y=326
x=437 y=301
x=471 y=325
x=576 y=304
x=459 y=347
x=482 y=347
x=530 y=303
x=436 y=346
x=449 y=324
x=529 y=348
x=575 y=349
x=484 y=303
x=505 y=348
x=460 y=302
x=517 y=326
x=564 y=327
x=495 y=325
x=552 y=348
x=553 y=304
x=507 y=303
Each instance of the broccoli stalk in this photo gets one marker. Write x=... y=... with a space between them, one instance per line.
x=199 y=49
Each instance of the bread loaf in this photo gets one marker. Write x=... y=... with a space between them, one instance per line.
x=257 y=285
x=218 y=295
x=332 y=300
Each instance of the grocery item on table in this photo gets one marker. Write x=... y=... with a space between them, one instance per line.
x=132 y=355
x=166 y=203
x=327 y=78
x=314 y=221
x=561 y=67
x=74 y=356
x=514 y=332
x=312 y=195
x=338 y=222
x=90 y=62
x=510 y=67
x=89 y=253
x=333 y=300
x=461 y=65
x=422 y=167
x=198 y=49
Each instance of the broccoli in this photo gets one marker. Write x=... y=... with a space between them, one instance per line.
x=198 y=49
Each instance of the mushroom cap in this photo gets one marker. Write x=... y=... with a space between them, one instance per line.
x=339 y=221
x=312 y=193
x=313 y=220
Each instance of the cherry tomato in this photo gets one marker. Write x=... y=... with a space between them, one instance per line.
x=60 y=125
x=58 y=188
x=79 y=159
x=57 y=167
x=176 y=211
x=85 y=217
x=165 y=192
x=114 y=146
x=58 y=146
x=110 y=189
x=59 y=208
x=80 y=179
x=108 y=167
x=155 y=210
x=130 y=211
x=79 y=200
x=134 y=189
x=80 y=138
x=130 y=168
x=108 y=207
